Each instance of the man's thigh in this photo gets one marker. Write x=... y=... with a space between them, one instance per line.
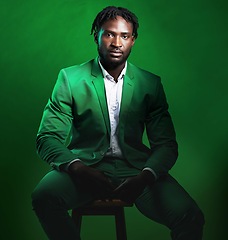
x=59 y=185
x=166 y=202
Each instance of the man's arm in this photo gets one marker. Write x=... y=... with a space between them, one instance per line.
x=162 y=139
x=56 y=125
x=161 y=134
x=52 y=135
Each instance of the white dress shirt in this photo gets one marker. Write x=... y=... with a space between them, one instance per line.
x=113 y=91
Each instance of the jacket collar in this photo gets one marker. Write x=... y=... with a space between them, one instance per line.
x=97 y=71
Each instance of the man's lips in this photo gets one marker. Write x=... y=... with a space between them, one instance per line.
x=116 y=53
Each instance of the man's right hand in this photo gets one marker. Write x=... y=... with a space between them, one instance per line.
x=91 y=179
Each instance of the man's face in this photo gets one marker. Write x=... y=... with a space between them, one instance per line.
x=115 y=41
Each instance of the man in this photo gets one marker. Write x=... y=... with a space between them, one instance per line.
x=105 y=105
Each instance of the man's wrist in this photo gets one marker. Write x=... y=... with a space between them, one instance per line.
x=75 y=166
x=152 y=171
x=66 y=166
x=148 y=177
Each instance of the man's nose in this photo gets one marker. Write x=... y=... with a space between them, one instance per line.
x=117 y=42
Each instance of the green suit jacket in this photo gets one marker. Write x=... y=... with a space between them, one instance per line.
x=77 y=113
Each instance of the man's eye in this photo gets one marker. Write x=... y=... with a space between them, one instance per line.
x=109 y=35
x=125 y=36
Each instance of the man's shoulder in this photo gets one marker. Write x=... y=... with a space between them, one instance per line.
x=140 y=72
x=84 y=68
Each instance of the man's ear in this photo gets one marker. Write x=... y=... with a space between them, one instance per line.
x=95 y=37
x=133 y=41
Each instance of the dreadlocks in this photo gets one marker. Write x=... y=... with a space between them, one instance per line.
x=112 y=12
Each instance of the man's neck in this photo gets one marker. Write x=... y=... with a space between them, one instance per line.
x=113 y=70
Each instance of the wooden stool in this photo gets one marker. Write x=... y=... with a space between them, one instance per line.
x=110 y=207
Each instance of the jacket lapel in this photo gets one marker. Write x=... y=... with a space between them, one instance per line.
x=98 y=82
x=127 y=92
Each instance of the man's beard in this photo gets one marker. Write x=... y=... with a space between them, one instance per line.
x=110 y=64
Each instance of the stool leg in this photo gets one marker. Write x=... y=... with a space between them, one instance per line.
x=121 y=233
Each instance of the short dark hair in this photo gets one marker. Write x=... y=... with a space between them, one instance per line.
x=112 y=12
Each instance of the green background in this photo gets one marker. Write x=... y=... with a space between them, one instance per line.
x=185 y=42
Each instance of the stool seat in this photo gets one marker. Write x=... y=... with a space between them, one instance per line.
x=113 y=207
x=109 y=202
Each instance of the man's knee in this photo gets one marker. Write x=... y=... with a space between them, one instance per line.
x=194 y=218
x=38 y=199
x=192 y=215
x=44 y=199
x=200 y=217
x=189 y=225
x=53 y=190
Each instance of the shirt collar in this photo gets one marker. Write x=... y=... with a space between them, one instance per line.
x=108 y=76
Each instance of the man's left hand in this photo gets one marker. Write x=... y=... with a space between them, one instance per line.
x=131 y=188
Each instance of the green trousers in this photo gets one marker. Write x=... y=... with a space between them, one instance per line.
x=165 y=202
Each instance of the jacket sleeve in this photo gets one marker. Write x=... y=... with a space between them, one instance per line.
x=161 y=134
x=56 y=125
